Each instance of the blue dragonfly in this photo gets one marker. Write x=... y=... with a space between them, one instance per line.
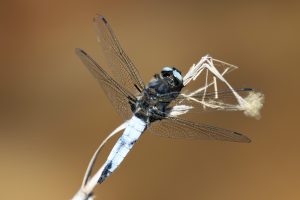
x=156 y=106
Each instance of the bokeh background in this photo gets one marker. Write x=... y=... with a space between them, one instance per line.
x=53 y=114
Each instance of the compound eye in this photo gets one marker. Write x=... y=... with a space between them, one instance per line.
x=166 y=73
x=177 y=75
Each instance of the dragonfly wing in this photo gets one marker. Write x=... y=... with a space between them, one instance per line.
x=217 y=100
x=209 y=101
x=118 y=96
x=123 y=70
x=174 y=127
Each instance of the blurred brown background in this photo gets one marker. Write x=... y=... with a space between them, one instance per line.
x=53 y=114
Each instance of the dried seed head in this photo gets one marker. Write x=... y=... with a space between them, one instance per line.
x=255 y=102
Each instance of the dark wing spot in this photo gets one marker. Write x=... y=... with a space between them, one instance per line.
x=104 y=20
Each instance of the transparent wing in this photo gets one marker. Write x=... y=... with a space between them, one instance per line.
x=199 y=101
x=123 y=70
x=224 y=94
x=173 y=127
x=118 y=96
x=225 y=100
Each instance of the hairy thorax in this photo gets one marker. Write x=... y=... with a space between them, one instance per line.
x=153 y=102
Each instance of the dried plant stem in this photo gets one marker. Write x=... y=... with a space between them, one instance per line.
x=88 y=184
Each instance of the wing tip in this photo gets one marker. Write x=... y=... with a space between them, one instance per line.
x=242 y=138
x=79 y=51
x=248 y=89
x=101 y=18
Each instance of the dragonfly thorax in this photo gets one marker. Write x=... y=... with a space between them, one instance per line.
x=153 y=102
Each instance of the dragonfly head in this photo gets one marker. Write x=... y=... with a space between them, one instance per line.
x=173 y=76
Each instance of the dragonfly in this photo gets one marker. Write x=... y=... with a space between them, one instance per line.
x=156 y=106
